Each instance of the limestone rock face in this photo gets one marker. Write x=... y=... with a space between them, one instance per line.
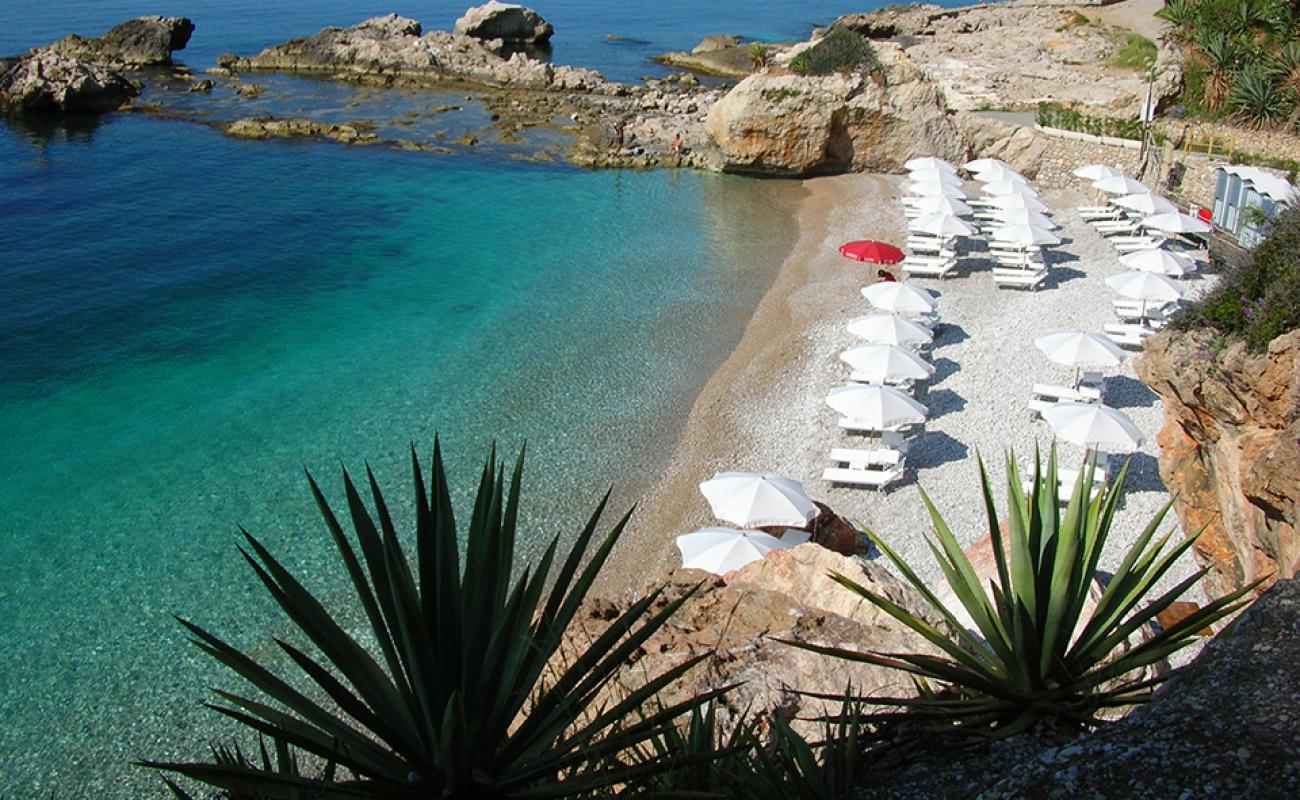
x=795 y=125
x=141 y=42
x=1230 y=451
x=1015 y=144
x=787 y=595
x=48 y=82
x=513 y=24
x=392 y=46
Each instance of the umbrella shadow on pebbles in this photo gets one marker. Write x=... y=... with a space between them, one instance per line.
x=943 y=368
x=1125 y=392
x=1056 y=256
x=944 y=401
x=1059 y=275
x=1143 y=475
x=934 y=449
x=948 y=334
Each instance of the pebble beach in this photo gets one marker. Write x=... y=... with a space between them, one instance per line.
x=764 y=409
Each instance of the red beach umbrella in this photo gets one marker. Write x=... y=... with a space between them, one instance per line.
x=872 y=252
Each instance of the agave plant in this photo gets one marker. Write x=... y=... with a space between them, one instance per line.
x=1286 y=65
x=1221 y=55
x=1182 y=16
x=460 y=696
x=1257 y=99
x=1037 y=657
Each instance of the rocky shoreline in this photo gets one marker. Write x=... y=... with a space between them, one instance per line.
x=772 y=122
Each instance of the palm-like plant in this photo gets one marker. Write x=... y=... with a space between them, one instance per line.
x=1182 y=16
x=453 y=699
x=1257 y=99
x=1221 y=55
x=1037 y=656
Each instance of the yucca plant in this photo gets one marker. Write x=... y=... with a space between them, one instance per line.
x=285 y=763
x=1257 y=99
x=1182 y=17
x=707 y=754
x=459 y=696
x=1221 y=54
x=1036 y=657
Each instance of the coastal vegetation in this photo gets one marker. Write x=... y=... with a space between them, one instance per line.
x=1138 y=52
x=1240 y=58
x=1258 y=300
x=840 y=50
x=1044 y=646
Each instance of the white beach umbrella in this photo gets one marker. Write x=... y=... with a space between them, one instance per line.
x=1024 y=216
x=1158 y=260
x=1009 y=187
x=1096 y=172
x=900 y=297
x=1146 y=203
x=1023 y=235
x=721 y=550
x=884 y=363
x=940 y=224
x=933 y=189
x=1018 y=201
x=1176 y=222
x=1093 y=426
x=984 y=164
x=942 y=205
x=889 y=329
x=1141 y=285
x=935 y=176
x=1121 y=184
x=876 y=407
x=996 y=174
x=752 y=499
x=1080 y=349
x=930 y=162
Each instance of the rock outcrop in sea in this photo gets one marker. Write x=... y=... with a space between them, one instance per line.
x=81 y=75
x=1230 y=451
x=512 y=24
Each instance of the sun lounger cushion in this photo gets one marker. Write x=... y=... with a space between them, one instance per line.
x=874 y=478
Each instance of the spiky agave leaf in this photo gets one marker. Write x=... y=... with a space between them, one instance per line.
x=1041 y=657
x=450 y=700
x=1257 y=98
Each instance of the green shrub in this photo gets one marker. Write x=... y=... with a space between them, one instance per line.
x=1057 y=115
x=1259 y=300
x=1074 y=19
x=453 y=689
x=1138 y=53
x=839 y=51
x=1036 y=655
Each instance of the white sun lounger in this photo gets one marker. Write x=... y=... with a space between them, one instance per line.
x=1155 y=314
x=928 y=267
x=872 y=478
x=879 y=458
x=1046 y=396
x=1065 y=482
x=908 y=386
x=1129 y=244
x=1106 y=209
x=1017 y=278
x=1126 y=335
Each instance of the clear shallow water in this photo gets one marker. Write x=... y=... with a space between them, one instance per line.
x=189 y=320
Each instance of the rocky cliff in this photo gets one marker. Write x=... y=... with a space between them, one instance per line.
x=740 y=617
x=778 y=123
x=1230 y=450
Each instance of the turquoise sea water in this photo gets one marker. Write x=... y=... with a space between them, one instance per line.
x=189 y=320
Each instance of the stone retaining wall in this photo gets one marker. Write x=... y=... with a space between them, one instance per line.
x=1227 y=139
x=1062 y=156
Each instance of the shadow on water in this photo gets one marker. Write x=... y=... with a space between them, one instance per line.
x=1125 y=392
x=934 y=449
x=43 y=130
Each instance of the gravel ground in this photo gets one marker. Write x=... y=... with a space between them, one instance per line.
x=772 y=416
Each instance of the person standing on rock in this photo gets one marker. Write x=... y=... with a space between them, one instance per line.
x=618 y=136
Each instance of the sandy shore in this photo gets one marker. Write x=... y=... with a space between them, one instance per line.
x=764 y=408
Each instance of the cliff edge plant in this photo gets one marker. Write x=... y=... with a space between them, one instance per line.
x=1259 y=300
x=838 y=51
x=458 y=696
x=1034 y=656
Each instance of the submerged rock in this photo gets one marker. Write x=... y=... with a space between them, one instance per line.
x=48 y=82
x=512 y=24
x=299 y=128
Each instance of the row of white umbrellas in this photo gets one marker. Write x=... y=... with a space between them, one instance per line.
x=1133 y=195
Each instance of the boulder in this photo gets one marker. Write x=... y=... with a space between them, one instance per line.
x=46 y=81
x=1230 y=451
x=794 y=125
x=1018 y=145
x=740 y=618
x=711 y=44
x=141 y=42
x=512 y=24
